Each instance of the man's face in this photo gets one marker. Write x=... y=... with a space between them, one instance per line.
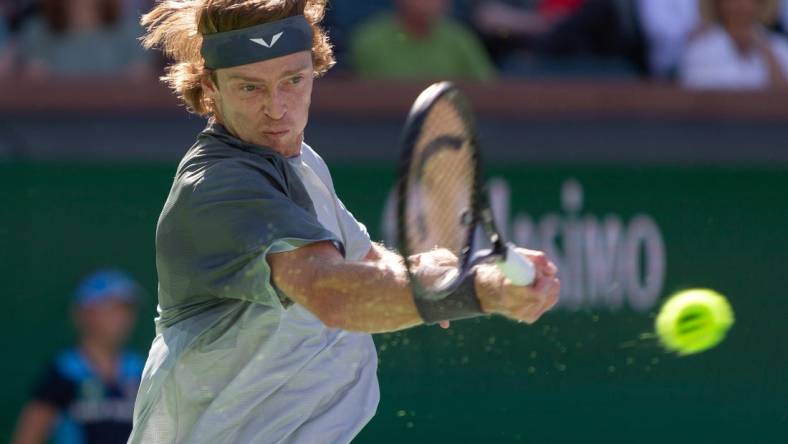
x=426 y=9
x=109 y=322
x=265 y=103
x=739 y=12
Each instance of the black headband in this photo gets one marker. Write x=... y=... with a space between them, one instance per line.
x=257 y=43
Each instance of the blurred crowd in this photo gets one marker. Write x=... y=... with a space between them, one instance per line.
x=720 y=44
x=54 y=38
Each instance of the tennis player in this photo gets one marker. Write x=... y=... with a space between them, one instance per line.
x=268 y=287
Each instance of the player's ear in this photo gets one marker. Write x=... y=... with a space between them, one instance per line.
x=210 y=84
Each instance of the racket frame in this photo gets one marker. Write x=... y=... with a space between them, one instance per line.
x=480 y=211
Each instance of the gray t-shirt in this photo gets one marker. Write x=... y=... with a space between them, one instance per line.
x=234 y=361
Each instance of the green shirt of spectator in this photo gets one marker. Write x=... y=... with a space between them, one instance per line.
x=381 y=48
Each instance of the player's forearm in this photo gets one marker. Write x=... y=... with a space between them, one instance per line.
x=375 y=296
x=372 y=297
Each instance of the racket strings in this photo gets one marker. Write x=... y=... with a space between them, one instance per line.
x=441 y=182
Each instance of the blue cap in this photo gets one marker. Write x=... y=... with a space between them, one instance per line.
x=105 y=285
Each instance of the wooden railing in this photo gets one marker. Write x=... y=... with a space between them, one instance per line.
x=506 y=98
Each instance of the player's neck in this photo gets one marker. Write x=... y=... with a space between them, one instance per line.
x=102 y=357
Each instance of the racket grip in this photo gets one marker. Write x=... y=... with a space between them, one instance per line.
x=517 y=268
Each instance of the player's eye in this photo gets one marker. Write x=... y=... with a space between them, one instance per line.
x=248 y=88
x=295 y=80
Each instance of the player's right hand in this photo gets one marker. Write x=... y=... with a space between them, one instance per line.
x=522 y=303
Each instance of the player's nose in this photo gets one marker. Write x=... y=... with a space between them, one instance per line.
x=275 y=107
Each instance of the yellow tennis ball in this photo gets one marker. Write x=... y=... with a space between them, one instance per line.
x=692 y=321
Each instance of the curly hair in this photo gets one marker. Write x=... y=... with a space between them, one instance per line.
x=176 y=28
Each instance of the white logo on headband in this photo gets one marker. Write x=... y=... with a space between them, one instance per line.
x=274 y=39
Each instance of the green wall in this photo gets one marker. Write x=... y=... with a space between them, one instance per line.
x=583 y=373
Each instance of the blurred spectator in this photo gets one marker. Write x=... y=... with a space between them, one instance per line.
x=418 y=40
x=135 y=8
x=522 y=17
x=736 y=50
x=83 y=37
x=555 y=36
x=13 y=14
x=667 y=25
x=600 y=27
x=509 y=25
x=16 y=11
x=86 y=395
x=344 y=16
x=784 y=17
x=6 y=54
x=554 y=10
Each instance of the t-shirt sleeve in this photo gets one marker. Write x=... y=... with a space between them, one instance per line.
x=354 y=234
x=229 y=221
x=54 y=389
x=357 y=241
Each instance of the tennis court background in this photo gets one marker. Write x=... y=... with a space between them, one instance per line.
x=716 y=194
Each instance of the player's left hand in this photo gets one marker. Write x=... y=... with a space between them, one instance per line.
x=499 y=295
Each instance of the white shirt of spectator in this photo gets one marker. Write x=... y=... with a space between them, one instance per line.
x=712 y=61
x=667 y=24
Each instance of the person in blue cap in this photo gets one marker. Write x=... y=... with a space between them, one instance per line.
x=86 y=394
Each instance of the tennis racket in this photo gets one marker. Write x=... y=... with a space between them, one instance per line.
x=441 y=200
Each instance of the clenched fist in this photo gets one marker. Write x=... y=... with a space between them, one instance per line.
x=527 y=304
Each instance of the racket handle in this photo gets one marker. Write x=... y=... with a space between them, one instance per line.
x=517 y=268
